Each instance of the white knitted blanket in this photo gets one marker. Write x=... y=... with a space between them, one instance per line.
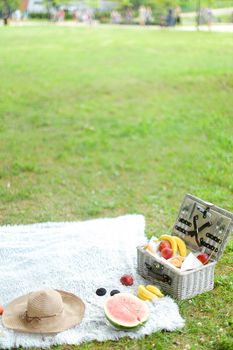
x=78 y=257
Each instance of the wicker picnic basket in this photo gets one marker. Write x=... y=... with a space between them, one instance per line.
x=204 y=227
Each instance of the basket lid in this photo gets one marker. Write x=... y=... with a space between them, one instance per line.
x=203 y=226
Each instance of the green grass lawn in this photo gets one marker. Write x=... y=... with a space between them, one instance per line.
x=107 y=121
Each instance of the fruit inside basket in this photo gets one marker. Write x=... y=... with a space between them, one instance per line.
x=199 y=236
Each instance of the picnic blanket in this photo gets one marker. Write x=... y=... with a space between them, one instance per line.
x=78 y=257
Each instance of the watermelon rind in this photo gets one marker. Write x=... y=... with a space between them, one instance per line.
x=120 y=324
x=125 y=328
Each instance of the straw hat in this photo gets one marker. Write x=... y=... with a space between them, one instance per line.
x=45 y=311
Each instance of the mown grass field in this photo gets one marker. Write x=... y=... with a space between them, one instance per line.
x=105 y=121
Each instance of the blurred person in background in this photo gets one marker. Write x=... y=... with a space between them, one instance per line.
x=17 y=15
x=90 y=16
x=128 y=16
x=149 y=17
x=142 y=15
x=116 y=17
x=209 y=18
x=162 y=20
x=24 y=15
x=170 y=21
x=76 y=15
x=206 y=17
x=178 y=15
x=87 y=17
x=61 y=15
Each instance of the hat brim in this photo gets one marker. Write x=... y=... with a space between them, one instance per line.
x=72 y=315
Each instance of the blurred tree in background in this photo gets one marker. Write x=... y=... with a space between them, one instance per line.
x=49 y=4
x=7 y=7
x=124 y=4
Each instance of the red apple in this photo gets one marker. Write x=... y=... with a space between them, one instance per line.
x=166 y=253
x=164 y=244
x=127 y=280
x=203 y=257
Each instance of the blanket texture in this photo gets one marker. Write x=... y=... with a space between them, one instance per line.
x=78 y=257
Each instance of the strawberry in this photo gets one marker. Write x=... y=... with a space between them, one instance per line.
x=127 y=280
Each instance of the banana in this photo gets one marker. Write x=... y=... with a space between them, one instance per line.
x=181 y=246
x=155 y=290
x=141 y=297
x=171 y=240
x=145 y=294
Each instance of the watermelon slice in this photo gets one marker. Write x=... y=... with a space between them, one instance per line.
x=126 y=311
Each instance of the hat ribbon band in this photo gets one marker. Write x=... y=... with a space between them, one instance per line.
x=39 y=318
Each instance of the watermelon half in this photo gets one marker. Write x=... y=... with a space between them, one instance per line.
x=125 y=311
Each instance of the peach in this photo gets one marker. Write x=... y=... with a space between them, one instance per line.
x=166 y=253
x=164 y=244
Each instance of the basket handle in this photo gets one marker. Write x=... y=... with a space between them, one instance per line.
x=155 y=272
